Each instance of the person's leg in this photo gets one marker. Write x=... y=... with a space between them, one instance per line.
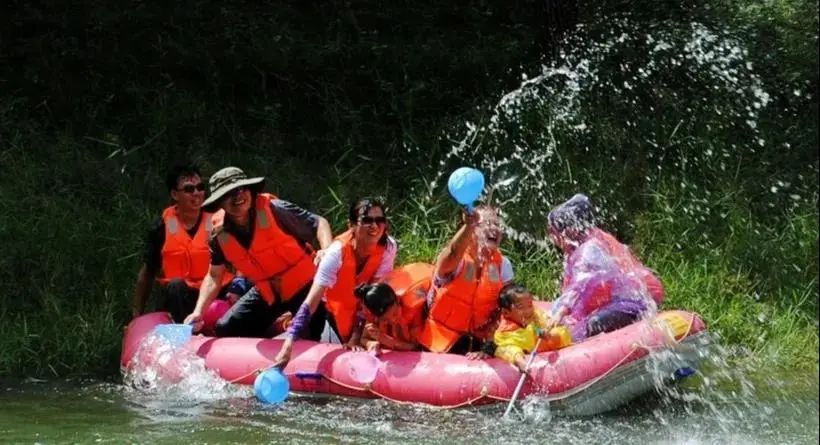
x=608 y=320
x=180 y=299
x=462 y=346
x=327 y=331
x=251 y=316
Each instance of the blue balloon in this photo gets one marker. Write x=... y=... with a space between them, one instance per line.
x=465 y=186
x=175 y=334
x=271 y=386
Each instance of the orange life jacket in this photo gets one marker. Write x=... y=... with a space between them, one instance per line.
x=339 y=299
x=276 y=262
x=465 y=305
x=184 y=256
x=411 y=283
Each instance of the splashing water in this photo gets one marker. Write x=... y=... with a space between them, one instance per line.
x=164 y=372
x=620 y=112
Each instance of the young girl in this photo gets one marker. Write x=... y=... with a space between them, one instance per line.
x=522 y=324
x=391 y=322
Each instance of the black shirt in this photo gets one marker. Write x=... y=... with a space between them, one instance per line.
x=292 y=219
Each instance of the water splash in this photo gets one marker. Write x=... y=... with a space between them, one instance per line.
x=164 y=372
x=618 y=112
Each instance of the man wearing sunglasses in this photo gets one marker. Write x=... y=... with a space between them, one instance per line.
x=266 y=239
x=176 y=246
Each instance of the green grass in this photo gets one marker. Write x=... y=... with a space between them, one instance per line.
x=366 y=98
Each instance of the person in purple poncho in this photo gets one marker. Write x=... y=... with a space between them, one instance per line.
x=604 y=286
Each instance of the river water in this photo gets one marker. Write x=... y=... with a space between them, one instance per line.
x=781 y=410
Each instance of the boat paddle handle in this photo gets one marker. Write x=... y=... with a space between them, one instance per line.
x=521 y=380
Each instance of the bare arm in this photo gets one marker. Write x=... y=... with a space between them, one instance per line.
x=207 y=292
x=450 y=256
x=144 y=280
x=324 y=233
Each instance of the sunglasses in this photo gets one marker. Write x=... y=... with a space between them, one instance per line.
x=372 y=220
x=233 y=193
x=190 y=188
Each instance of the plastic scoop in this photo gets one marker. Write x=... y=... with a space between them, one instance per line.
x=364 y=367
x=271 y=386
x=175 y=334
x=465 y=185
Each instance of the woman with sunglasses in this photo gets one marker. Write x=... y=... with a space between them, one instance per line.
x=176 y=246
x=365 y=253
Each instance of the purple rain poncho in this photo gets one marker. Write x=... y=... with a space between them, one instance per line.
x=602 y=274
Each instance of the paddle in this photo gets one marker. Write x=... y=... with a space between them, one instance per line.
x=523 y=376
x=465 y=185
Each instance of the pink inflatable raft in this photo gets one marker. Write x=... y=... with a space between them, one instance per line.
x=584 y=379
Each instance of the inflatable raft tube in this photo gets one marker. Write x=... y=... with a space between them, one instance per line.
x=588 y=378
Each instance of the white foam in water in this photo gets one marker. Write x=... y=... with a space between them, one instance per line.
x=166 y=372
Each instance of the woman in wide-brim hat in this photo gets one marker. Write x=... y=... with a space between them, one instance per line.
x=227 y=180
x=269 y=241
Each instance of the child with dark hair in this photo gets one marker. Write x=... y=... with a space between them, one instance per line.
x=521 y=326
x=391 y=321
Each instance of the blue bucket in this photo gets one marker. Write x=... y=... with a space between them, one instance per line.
x=175 y=334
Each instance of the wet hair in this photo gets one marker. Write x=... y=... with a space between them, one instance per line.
x=573 y=217
x=377 y=298
x=361 y=207
x=178 y=171
x=509 y=294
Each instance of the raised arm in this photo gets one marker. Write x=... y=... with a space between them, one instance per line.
x=451 y=255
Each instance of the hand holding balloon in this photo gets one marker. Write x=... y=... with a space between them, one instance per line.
x=465 y=185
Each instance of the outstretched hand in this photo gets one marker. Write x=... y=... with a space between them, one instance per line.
x=317 y=258
x=353 y=346
x=469 y=219
x=477 y=355
x=283 y=357
x=195 y=320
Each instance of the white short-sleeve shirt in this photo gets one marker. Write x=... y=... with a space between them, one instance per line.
x=331 y=262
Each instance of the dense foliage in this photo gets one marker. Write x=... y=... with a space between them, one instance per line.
x=331 y=100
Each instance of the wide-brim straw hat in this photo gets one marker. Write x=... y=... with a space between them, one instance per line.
x=227 y=179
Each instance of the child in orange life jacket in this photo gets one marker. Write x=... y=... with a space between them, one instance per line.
x=390 y=321
x=522 y=324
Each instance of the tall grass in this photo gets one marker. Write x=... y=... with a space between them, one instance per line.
x=340 y=100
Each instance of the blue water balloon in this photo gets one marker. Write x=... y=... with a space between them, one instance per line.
x=271 y=386
x=175 y=334
x=465 y=186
